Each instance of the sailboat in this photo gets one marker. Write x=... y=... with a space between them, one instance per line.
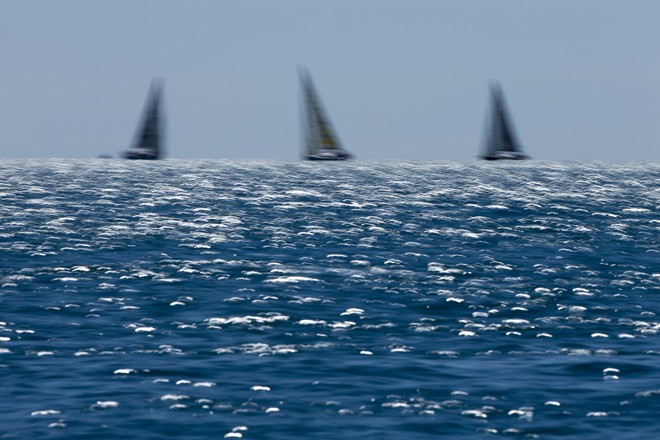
x=500 y=138
x=319 y=139
x=148 y=144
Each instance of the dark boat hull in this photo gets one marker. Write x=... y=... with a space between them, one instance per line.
x=505 y=156
x=330 y=157
x=136 y=155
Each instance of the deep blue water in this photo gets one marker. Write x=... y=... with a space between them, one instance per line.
x=211 y=299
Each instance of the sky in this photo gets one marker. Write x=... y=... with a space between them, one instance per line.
x=400 y=79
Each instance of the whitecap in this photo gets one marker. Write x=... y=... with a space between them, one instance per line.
x=515 y=321
x=312 y=322
x=605 y=352
x=447 y=353
x=144 y=329
x=270 y=318
x=284 y=349
x=10 y=278
x=648 y=393
x=105 y=404
x=474 y=413
x=352 y=311
x=395 y=405
x=299 y=192
x=45 y=412
x=260 y=388
x=503 y=267
x=597 y=414
x=292 y=279
x=175 y=397
x=582 y=292
x=44 y=353
x=579 y=352
x=342 y=325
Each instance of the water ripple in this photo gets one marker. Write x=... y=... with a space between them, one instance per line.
x=379 y=300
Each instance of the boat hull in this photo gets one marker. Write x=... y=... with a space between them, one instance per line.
x=138 y=155
x=505 y=156
x=330 y=156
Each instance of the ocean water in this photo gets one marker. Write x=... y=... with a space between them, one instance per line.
x=271 y=300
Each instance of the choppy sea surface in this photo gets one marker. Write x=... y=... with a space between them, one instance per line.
x=271 y=300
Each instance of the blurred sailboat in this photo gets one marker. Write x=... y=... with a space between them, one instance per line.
x=500 y=138
x=148 y=144
x=319 y=139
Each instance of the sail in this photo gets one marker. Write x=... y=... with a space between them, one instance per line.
x=501 y=140
x=320 y=140
x=148 y=142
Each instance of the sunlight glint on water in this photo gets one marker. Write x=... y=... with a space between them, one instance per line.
x=206 y=299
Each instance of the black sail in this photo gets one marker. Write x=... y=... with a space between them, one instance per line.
x=320 y=140
x=148 y=143
x=501 y=141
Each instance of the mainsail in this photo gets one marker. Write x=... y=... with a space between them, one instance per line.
x=501 y=141
x=320 y=139
x=148 y=142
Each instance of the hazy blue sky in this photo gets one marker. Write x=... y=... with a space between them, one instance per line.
x=401 y=79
